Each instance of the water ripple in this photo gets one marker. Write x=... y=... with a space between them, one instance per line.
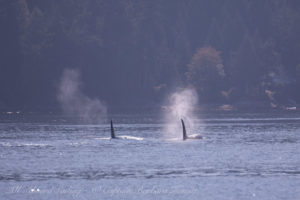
x=165 y=173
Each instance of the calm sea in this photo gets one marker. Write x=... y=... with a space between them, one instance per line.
x=243 y=156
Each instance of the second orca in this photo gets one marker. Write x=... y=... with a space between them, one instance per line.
x=185 y=136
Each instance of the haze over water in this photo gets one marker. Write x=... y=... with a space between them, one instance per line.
x=243 y=156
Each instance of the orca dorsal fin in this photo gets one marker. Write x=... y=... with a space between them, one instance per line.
x=183 y=130
x=112 y=131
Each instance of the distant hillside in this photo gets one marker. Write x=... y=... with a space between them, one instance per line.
x=134 y=52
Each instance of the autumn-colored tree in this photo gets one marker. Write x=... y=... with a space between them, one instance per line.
x=206 y=72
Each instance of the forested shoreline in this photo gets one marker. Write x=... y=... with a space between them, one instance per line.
x=130 y=53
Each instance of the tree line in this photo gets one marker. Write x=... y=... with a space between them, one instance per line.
x=133 y=52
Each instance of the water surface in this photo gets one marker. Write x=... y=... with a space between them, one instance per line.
x=243 y=156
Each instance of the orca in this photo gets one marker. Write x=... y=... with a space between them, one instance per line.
x=183 y=130
x=112 y=130
x=185 y=136
x=126 y=137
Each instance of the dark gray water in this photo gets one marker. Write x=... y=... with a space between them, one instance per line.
x=243 y=156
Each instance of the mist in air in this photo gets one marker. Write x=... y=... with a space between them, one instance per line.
x=181 y=104
x=74 y=102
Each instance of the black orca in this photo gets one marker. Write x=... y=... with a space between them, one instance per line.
x=195 y=136
x=183 y=130
x=112 y=131
x=124 y=137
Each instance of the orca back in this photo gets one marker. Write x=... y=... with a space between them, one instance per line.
x=112 y=131
x=183 y=130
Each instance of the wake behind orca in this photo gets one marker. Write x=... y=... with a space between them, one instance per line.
x=126 y=137
x=185 y=136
